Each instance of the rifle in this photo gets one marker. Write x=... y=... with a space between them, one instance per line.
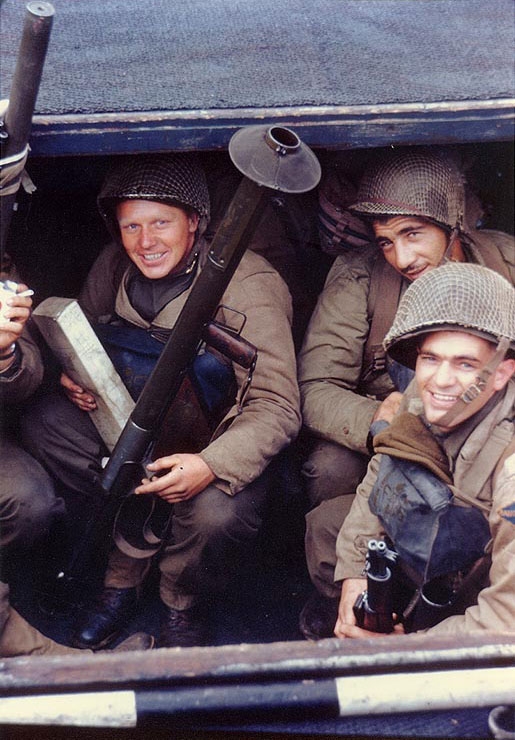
x=270 y=159
x=15 y=128
x=374 y=607
x=393 y=587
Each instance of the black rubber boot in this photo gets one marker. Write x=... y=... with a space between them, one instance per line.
x=111 y=611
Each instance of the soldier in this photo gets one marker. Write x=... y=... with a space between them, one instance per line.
x=28 y=504
x=414 y=204
x=456 y=428
x=157 y=208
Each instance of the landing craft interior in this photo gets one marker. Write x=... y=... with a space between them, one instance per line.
x=351 y=78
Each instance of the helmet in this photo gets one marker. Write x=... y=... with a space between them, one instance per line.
x=338 y=228
x=175 y=179
x=414 y=183
x=456 y=296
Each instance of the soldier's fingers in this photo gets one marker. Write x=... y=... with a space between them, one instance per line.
x=170 y=461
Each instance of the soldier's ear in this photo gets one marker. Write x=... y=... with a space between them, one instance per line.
x=193 y=219
x=504 y=372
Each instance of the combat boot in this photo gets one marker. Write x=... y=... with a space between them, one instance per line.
x=318 y=616
x=112 y=610
x=18 y=638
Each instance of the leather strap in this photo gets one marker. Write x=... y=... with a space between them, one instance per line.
x=385 y=285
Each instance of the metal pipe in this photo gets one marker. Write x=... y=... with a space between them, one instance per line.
x=24 y=90
x=350 y=696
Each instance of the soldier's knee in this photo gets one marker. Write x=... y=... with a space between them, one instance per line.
x=28 y=503
x=25 y=518
x=220 y=516
x=332 y=470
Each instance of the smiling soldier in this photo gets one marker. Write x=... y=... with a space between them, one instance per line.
x=414 y=204
x=441 y=487
x=157 y=209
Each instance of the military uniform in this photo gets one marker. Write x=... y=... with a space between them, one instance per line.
x=340 y=391
x=28 y=504
x=477 y=450
x=210 y=532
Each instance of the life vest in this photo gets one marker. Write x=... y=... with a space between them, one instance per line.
x=134 y=352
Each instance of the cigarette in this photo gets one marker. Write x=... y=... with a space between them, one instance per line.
x=25 y=293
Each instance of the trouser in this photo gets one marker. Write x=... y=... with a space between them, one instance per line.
x=28 y=504
x=28 y=507
x=209 y=539
x=209 y=534
x=18 y=637
x=332 y=470
x=332 y=473
x=65 y=441
x=323 y=524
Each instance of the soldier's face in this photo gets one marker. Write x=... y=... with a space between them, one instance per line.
x=411 y=245
x=447 y=364
x=157 y=237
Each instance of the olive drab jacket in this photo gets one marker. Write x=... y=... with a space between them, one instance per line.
x=17 y=385
x=473 y=450
x=338 y=399
x=244 y=442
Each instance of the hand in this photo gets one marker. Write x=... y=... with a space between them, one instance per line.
x=388 y=408
x=354 y=632
x=187 y=475
x=346 y=623
x=16 y=316
x=77 y=395
x=351 y=589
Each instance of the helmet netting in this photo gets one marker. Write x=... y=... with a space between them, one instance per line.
x=414 y=183
x=177 y=179
x=454 y=296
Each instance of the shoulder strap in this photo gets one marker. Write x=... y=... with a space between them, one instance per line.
x=383 y=295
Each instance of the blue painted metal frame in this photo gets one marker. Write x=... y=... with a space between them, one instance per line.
x=328 y=127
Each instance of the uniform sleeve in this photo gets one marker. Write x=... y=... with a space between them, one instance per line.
x=359 y=527
x=98 y=294
x=330 y=362
x=495 y=608
x=25 y=380
x=270 y=417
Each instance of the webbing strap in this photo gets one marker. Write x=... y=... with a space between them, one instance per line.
x=386 y=282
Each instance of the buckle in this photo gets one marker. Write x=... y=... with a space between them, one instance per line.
x=473 y=391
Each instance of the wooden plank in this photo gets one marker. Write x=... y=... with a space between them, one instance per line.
x=280 y=661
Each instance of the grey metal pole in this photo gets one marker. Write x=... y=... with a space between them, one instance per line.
x=24 y=90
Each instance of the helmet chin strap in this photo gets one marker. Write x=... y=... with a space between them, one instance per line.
x=446 y=257
x=471 y=399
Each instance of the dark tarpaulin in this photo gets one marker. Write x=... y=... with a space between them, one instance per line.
x=128 y=55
